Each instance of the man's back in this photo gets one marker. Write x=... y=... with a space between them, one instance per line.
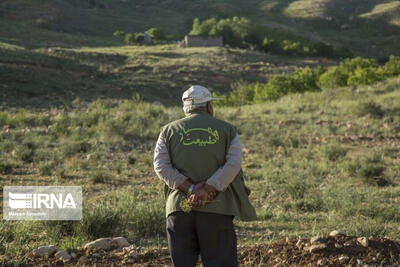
x=199 y=157
x=198 y=144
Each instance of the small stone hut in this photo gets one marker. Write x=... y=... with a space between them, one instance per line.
x=201 y=41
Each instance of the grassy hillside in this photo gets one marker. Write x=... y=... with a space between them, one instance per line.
x=315 y=162
x=56 y=76
x=367 y=27
x=77 y=107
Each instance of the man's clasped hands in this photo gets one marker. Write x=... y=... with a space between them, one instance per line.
x=201 y=194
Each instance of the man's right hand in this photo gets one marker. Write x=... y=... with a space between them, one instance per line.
x=202 y=193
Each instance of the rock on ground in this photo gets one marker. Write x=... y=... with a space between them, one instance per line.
x=337 y=233
x=45 y=251
x=108 y=243
x=63 y=255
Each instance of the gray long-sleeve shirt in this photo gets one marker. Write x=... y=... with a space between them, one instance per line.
x=221 y=177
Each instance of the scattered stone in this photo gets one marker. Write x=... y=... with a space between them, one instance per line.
x=317 y=247
x=121 y=242
x=128 y=249
x=315 y=239
x=101 y=243
x=343 y=258
x=335 y=233
x=73 y=255
x=84 y=260
x=322 y=262
x=363 y=241
x=63 y=255
x=337 y=245
x=45 y=251
x=96 y=255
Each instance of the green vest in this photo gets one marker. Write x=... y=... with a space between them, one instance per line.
x=197 y=146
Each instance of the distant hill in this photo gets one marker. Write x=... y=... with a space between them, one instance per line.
x=368 y=27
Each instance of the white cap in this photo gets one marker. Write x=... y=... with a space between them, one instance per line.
x=196 y=94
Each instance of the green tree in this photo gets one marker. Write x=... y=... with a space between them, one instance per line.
x=139 y=37
x=129 y=38
x=157 y=34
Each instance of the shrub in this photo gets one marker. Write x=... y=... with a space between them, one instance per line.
x=369 y=170
x=333 y=152
x=367 y=75
x=46 y=168
x=300 y=81
x=25 y=154
x=296 y=188
x=99 y=177
x=352 y=72
x=7 y=166
x=71 y=148
x=129 y=38
x=156 y=34
x=139 y=37
x=369 y=107
x=392 y=67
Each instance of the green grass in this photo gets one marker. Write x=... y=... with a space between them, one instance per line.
x=45 y=78
x=313 y=165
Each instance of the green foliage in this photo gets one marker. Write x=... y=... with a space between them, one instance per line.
x=99 y=220
x=334 y=152
x=129 y=38
x=71 y=148
x=139 y=37
x=300 y=81
x=367 y=75
x=157 y=34
x=356 y=71
x=46 y=168
x=392 y=67
x=99 y=177
x=369 y=107
x=25 y=153
x=7 y=166
x=240 y=32
x=369 y=170
x=296 y=188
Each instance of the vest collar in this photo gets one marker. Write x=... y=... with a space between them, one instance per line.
x=197 y=112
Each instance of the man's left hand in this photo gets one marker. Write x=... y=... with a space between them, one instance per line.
x=201 y=194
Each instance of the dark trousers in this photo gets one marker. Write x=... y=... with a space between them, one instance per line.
x=208 y=234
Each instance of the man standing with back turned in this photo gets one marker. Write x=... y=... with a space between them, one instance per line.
x=200 y=157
